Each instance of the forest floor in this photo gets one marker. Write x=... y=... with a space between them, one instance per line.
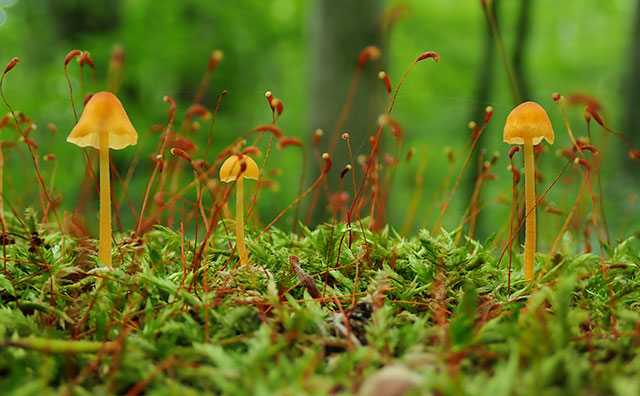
x=330 y=311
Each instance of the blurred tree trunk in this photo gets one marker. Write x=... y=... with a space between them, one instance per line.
x=339 y=31
x=485 y=84
x=486 y=69
x=485 y=77
x=519 y=48
x=631 y=87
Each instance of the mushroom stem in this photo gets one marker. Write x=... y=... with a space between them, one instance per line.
x=530 y=200
x=242 y=252
x=104 y=247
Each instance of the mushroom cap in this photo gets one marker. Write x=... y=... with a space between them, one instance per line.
x=528 y=120
x=103 y=114
x=230 y=169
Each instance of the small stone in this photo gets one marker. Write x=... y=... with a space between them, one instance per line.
x=394 y=380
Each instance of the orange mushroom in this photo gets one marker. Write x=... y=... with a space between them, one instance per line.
x=239 y=167
x=103 y=125
x=528 y=124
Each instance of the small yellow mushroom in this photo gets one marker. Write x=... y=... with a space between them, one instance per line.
x=528 y=124
x=239 y=167
x=103 y=125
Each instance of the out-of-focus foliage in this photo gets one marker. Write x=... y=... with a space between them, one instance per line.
x=573 y=46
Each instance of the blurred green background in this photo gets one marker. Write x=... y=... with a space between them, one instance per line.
x=305 y=52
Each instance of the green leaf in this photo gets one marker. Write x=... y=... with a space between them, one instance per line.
x=461 y=327
x=6 y=285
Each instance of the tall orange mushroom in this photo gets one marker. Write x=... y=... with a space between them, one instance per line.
x=528 y=124
x=239 y=167
x=103 y=125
